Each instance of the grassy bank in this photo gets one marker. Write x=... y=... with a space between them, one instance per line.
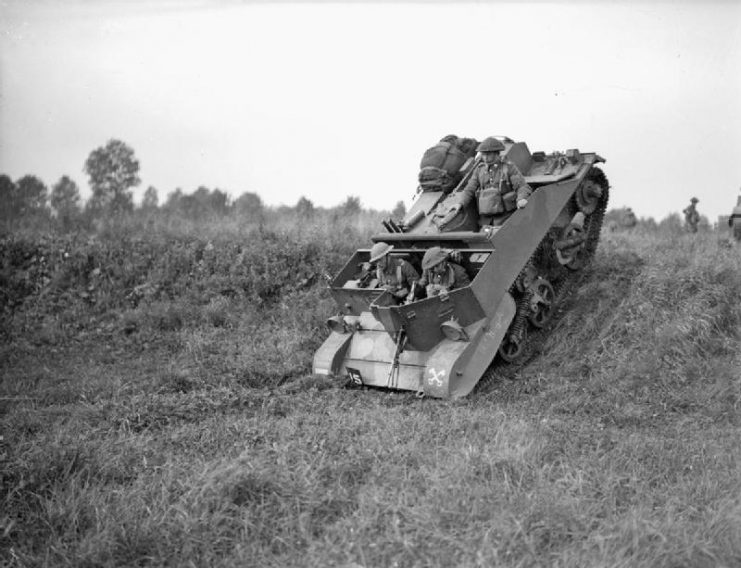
x=160 y=416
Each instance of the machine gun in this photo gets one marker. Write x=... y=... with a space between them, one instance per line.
x=367 y=275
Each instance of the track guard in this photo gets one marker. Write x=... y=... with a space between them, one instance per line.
x=454 y=367
x=328 y=359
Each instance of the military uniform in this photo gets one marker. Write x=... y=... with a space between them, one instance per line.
x=735 y=223
x=493 y=185
x=691 y=217
x=629 y=219
x=397 y=277
x=453 y=277
x=734 y=220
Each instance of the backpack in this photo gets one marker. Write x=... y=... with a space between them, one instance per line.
x=444 y=164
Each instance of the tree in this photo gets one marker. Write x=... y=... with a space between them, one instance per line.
x=31 y=195
x=305 y=208
x=189 y=206
x=151 y=200
x=351 y=206
x=8 y=193
x=399 y=211
x=249 y=206
x=173 y=199
x=217 y=202
x=65 y=199
x=114 y=171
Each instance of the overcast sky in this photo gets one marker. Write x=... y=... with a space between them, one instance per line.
x=328 y=100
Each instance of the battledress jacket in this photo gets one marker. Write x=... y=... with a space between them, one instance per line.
x=398 y=276
x=691 y=215
x=454 y=277
x=497 y=179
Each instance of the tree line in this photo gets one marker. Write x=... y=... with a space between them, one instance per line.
x=113 y=173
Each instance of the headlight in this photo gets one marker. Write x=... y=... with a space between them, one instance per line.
x=343 y=324
x=454 y=331
x=337 y=324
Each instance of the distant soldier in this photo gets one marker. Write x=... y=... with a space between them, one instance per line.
x=394 y=274
x=691 y=216
x=497 y=185
x=629 y=219
x=439 y=274
x=734 y=221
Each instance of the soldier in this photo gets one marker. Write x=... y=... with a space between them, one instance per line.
x=439 y=275
x=691 y=216
x=629 y=219
x=394 y=274
x=734 y=220
x=497 y=184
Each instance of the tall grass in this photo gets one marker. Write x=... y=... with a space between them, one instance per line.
x=167 y=416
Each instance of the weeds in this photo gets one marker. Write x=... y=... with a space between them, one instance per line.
x=157 y=409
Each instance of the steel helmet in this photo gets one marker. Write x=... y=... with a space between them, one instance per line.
x=490 y=144
x=694 y=200
x=432 y=257
x=379 y=250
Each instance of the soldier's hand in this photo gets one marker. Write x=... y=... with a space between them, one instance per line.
x=521 y=203
x=455 y=208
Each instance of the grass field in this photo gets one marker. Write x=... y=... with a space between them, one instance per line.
x=162 y=413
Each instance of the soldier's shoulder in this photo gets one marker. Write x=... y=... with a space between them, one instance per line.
x=460 y=272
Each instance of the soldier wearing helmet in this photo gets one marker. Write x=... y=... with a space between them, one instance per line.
x=734 y=220
x=439 y=274
x=629 y=218
x=497 y=184
x=394 y=274
x=691 y=216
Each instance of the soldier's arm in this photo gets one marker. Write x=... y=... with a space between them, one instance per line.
x=466 y=196
x=423 y=281
x=409 y=273
x=518 y=183
x=461 y=278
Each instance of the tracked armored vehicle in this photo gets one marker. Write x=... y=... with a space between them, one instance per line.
x=520 y=267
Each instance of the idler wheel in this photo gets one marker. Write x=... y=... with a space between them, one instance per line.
x=512 y=347
x=587 y=196
x=541 y=304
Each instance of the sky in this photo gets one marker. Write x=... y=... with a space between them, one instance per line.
x=327 y=100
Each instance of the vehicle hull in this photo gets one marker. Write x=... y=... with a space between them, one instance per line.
x=441 y=346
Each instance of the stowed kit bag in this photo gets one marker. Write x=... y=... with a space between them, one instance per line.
x=432 y=178
x=440 y=167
